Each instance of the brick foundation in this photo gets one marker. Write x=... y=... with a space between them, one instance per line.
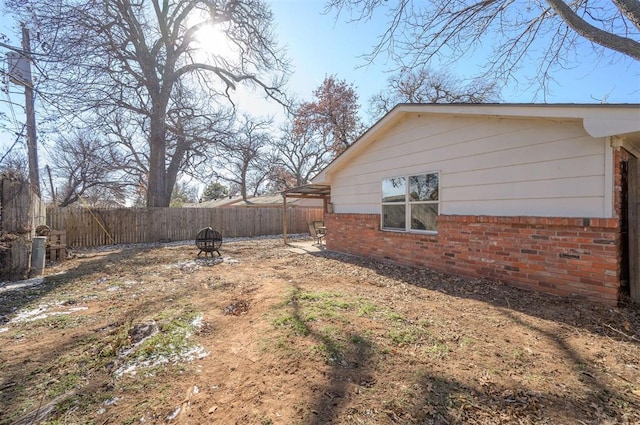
x=561 y=256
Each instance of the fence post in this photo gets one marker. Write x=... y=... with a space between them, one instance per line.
x=21 y=213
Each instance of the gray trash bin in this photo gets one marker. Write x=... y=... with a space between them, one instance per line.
x=38 y=255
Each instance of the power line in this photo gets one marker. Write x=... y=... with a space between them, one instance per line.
x=14 y=144
x=19 y=131
x=29 y=55
x=24 y=53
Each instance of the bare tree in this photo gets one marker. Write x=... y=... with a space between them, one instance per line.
x=15 y=163
x=548 y=31
x=241 y=157
x=426 y=86
x=83 y=166
x=194 y=134
x=121 y=55
x=299 y=155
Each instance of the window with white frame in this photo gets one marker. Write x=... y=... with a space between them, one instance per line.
x=410 y=203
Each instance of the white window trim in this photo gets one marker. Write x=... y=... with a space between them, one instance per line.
x=407 y=204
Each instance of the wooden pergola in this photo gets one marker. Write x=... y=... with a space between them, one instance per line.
x=308 y=191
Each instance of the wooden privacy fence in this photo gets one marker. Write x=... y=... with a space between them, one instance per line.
x=100 y=226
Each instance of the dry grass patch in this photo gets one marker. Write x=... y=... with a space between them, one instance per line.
x=267 y=336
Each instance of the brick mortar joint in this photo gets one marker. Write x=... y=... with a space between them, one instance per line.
x=533 y=221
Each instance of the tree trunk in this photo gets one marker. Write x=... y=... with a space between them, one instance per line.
x=175 y=164
x=157 y=195
x=243 y=191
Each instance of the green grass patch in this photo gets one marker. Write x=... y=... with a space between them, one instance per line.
x=294 y=323
x=409 y=334
x=333 y=340
x=63 y=384
x=172 y=338
x=393 y=316
x=438 y=349
x=366 y=308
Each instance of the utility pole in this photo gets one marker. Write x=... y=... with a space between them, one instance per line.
x=53 y=189
x=32 y=147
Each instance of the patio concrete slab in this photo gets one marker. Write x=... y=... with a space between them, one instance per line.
x=305 y=247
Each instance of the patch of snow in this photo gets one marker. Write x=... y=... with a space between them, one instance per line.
x=169 y=245
x=174 y=414
x=11 y=286
x=41 y=312
x=34 y=281
x=197 y=322
x=4 y=330
x=112 y=400
x=147 y=330
x=73 y=309
x=188 y=355
x=195 y=353
x=31 y=315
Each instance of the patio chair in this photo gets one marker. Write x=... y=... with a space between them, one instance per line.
x=317 y=230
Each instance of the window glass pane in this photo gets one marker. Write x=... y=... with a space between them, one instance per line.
x=393 y=217
x=423 y=187
x=423 y=216
x=393 y=190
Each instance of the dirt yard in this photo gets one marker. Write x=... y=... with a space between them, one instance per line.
x=267 y=335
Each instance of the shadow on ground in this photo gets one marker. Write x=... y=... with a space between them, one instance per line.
x=441 y=399
x=613 y=322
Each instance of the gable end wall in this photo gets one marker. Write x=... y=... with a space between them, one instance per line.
x=487 y=166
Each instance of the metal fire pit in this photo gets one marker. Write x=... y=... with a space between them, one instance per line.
x=208 y=241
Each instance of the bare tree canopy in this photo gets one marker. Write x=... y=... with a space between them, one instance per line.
x=426 y=86
x=298 y=157
x=136 y=59
x=547 y=33
x=242 y=160
x=83 y=164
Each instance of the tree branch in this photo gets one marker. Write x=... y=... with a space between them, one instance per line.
x=630 y=9
x=612 y=41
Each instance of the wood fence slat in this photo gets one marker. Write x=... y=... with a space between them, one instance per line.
x=87 y=228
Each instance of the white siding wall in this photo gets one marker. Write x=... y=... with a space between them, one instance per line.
x=488 y=166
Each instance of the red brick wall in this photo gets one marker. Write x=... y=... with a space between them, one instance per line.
x=562 y=256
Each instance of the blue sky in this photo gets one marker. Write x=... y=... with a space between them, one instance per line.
x=321 y=45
